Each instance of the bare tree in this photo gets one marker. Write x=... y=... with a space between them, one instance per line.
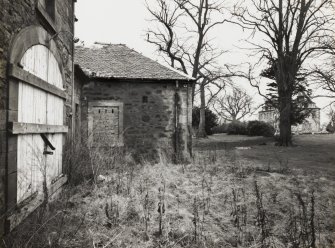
x=294 y=31
x=182 y=38
x=331 y=114
x=234 y=106
x=324 y=76
x=325 y=79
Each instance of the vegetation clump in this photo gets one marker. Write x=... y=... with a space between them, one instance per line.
x=237 y=128
x=251 y=128
x=222 y=128
x=260 y=128
x=210 y=116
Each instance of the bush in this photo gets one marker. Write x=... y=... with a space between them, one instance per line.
x=260 y=128
x=210 y=118
x=330 y=128
x=237 y=128
x=252 y=128
x=223 y=128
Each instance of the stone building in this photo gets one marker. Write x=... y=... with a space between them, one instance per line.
x=36 y=102
x=128 y=100
x=270 y=115
x=311 y=124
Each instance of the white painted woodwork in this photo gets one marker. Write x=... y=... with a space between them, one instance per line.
x=33 y=128
x=26 y=77
x=39 y=107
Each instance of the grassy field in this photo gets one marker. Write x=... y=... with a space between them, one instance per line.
x=224 y=198
x=224 y=141
x=312 y=154
x=237 y=192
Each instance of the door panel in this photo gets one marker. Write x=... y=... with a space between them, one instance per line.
x=39 y=107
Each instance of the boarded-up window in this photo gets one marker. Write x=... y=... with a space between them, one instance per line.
x=105 y=123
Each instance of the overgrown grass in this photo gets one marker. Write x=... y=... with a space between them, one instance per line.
x=216 y=201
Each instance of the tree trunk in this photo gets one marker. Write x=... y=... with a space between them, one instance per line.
x=195 y=70
x=286 y=79
x=202 y=123
x=193 y=93
x=285 y=108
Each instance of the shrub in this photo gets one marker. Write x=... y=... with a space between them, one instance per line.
x=223 y=128
x=252 y=128
x=330 y=128
x=260 y=128
x=237 y=127
x=210 y=118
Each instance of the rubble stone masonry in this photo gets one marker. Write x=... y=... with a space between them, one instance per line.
x=152 y=111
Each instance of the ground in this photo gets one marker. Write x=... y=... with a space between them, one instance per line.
x=233 y=197
x=312 y=153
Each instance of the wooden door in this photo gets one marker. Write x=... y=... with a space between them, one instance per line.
x=37 y=106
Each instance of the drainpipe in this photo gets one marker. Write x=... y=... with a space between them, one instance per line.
x=176 y=132
x=72 y=80
x=189 y=122
x=4 y=223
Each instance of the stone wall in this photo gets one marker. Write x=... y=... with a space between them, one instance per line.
x=150 y=113
x=271 y=117
x=311 y=124
x=15 y=16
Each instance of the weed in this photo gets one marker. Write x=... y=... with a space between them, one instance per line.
x=261 y=217
x=161 y=208
x=112 y=213
x=195 y=219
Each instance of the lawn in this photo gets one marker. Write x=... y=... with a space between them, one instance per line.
x=224 y=141
x=224 y=198
x=313 y=154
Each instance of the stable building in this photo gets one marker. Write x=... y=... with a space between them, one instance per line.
x=129 y=101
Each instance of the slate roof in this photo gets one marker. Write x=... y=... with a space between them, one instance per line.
x=120 y=62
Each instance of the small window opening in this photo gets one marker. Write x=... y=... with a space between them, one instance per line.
x=50 y=7
x=77 y=109
x=145 y=99
x=112 y=111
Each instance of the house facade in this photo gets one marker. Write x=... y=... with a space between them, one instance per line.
x=311 y=124
x=132 y=102
x=36 y=102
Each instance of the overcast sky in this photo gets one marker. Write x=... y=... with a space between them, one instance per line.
x=125 y=21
